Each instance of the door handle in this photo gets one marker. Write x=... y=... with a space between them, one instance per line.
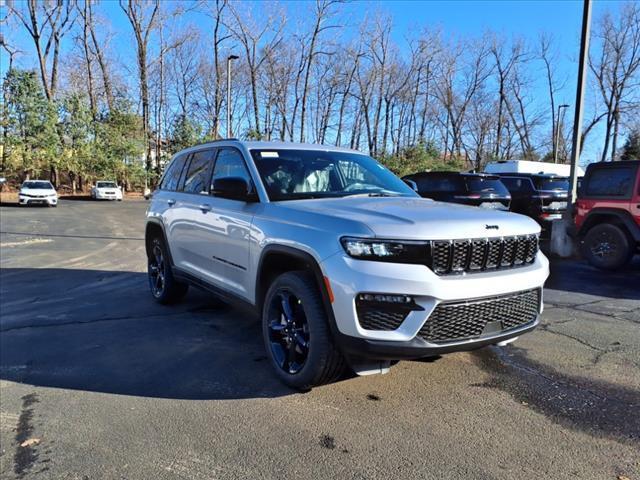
x=171 y=202
x=205 y=208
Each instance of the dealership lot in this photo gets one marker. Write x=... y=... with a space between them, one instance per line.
x=97 y=381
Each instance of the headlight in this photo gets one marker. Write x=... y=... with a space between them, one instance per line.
x=396 y=251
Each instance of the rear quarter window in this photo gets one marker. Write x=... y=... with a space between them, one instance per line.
x=610 y=182
x=172 y=174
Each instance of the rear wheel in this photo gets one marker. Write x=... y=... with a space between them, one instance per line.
x=607 y=246
x=164 y=287
x=296 y=333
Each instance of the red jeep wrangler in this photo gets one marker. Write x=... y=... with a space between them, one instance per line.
x=607 y=213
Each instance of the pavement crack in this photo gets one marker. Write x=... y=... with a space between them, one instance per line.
x=579 y=340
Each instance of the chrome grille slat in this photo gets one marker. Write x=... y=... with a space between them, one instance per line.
x=482 y=254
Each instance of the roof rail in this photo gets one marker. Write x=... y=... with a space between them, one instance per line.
x=215 y=141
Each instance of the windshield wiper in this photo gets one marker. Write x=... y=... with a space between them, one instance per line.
x=373 y=194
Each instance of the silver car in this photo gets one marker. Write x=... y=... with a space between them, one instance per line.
x=344 y=263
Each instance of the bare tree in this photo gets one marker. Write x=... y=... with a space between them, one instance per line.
x=142 y=17
x=505 y=60
x=255 y=38
x=322 y=13
x=47 y=23
x=616 y=68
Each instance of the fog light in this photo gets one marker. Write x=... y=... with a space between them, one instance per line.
x=382 y=298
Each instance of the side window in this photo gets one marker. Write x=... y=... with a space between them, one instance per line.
x=517 y=184
x=197 y=177
x=230 y=164
x=610 y=182
x=172 y=173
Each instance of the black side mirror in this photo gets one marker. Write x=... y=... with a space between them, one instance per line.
x=233 y=188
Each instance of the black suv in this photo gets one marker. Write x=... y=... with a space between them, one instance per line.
x=539 y=196
x=477 y=189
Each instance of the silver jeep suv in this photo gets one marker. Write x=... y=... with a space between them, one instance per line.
x=345 y=264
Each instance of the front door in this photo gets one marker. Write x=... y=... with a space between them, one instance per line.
x=226 y=233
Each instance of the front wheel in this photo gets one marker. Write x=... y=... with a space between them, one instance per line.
x=607 y=246
x=164 y=287
x=296 y=333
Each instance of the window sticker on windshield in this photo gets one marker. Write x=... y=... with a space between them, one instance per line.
x=269 y=154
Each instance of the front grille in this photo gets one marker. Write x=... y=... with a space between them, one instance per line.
x=455 y=321
x=476 y=255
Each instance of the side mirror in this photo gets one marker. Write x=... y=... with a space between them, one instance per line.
x=412 y=184
x=233 y=188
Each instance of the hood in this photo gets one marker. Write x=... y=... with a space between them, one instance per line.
x=38 y=191
x=420 y=218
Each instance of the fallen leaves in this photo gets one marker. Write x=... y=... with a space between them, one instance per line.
x=30 y=442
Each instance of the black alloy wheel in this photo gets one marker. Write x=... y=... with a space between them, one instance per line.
x=156 y=270
x=288 y=331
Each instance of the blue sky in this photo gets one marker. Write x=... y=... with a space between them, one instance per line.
x=526 y=19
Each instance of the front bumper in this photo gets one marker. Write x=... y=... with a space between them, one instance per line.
x=24 y=200
x=349 y=277
x=107 y=196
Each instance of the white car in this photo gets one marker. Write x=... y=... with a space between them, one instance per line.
x=106 y=191
x=38 y=192
x=344 y=262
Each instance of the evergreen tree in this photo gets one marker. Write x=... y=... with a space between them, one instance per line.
x=33 y=142
x=631 y=148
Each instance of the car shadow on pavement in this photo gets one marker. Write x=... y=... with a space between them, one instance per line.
x=100 y=331
x=579 y=277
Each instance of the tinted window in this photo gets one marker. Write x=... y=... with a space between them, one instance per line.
x=172 y=173
x=230 y=164
x=106 y=185
x=289 y=174
x=197 y=177
x=610 y=182
x=517 y=184
x=486 y=185
x=552 y=183
x=440 y=184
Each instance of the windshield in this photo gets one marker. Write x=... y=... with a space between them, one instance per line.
x=552 y=184
x=486 y=185
x=106 y=185
x=37 y=185
x=303 y=174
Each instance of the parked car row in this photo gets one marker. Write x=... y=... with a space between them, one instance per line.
x=542 y=197
x=42 y=192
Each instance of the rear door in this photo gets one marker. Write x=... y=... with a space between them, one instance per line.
x=190 y=217
x=166 y=200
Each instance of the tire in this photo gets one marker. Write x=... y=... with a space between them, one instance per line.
x=607 y=246
x=302 y=350
x=165 y=289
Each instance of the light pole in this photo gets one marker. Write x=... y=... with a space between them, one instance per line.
x=229 y=58
x=558 y=128
x=582 y=80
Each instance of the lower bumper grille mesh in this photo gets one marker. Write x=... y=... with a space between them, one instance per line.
x=457 y=321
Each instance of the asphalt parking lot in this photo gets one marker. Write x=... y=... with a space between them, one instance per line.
x=97 y=381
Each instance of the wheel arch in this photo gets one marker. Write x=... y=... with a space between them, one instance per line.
x=153 y=229
x=278 y=259
x=616 y=217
